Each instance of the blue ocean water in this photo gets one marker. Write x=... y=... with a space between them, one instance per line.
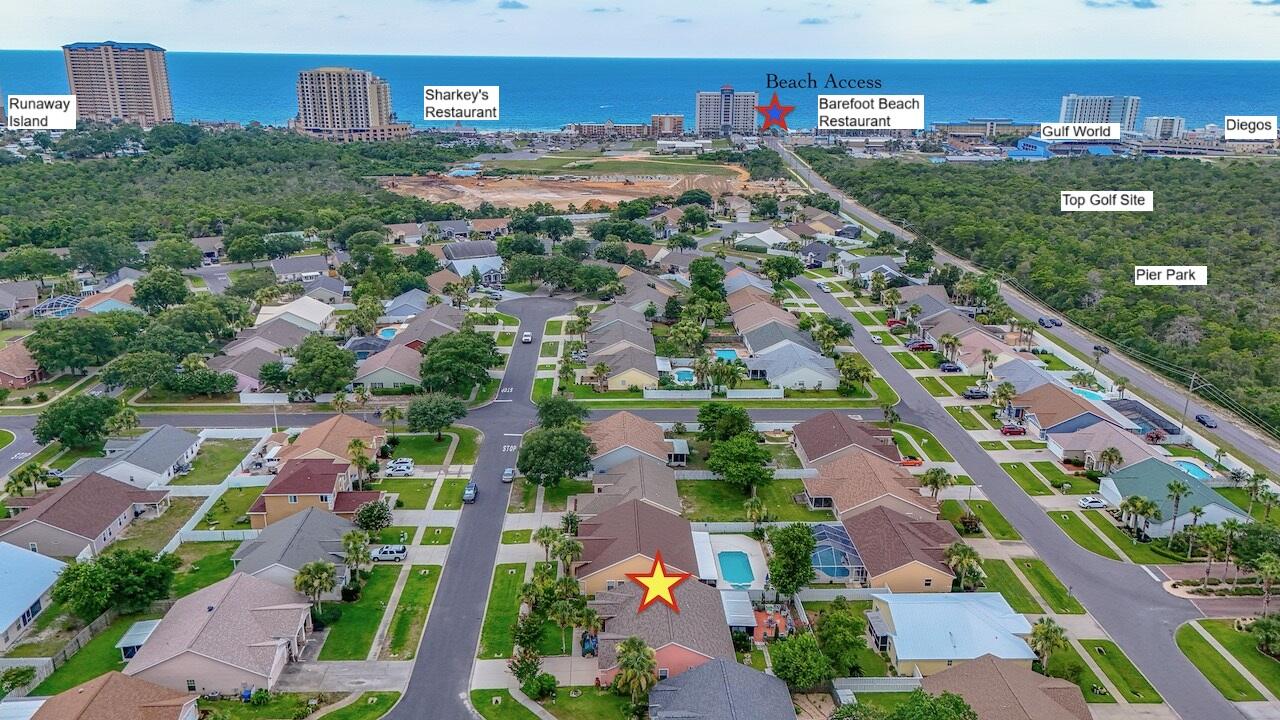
x=545 y=93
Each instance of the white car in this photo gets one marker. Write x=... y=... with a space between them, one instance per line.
x=390 y=553
x=402 y=470
x=526 y=338
x=1089 y=502
x=876 y=339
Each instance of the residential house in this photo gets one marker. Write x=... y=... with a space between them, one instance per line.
x=329 y=440
x=616 y=337
x=431 y=323
x=322 y=483
x=27 y=579
x=445 y=229
x=18 y=296
x=641 y=290
x=282 y=548
x=822 y=221
x=864 y=266
x=78 y=518
x=153 y=458
x=490 y=269
x=366 y=345
x=629 y=367
x=818 y=254
x=491 y=228
x=625 y=539
x=117 y=297
x=642 y=478
x=404 y=233
x=856 y=482
x=1021 y=373
x=300 y=268
x=761 y=313
x=274 y=336
x=926 y=633
x=927 y=306
x=1052 y=408
x=826 y=435
x=738 y=278
x=972 y=351
x=1150 y=478
x=951 y=322
x=721 y=689
x=770 y=336
x=680 y=640
x=247 y=367
x=237 y=633
x=470 y=250
x=747 y=296
x=437 y=280
x=901 y=553
x=407 y=304
x=801 y=230
x=116 y=695
x=394 y=367
x=765 y=240
x=1007 y=690
x=796 y=367
x=624 y=436
x=328 y=289
x=653 y=253
x=18 y=369
x=665 y=222
x=1086 y=446
x=305 y=312
x=612 y=314
x=913 y=293
x=212 y=248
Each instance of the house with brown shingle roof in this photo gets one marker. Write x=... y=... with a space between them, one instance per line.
x=246 y=366
x=320 y=483
x=329 y=440
x=680 y=640
x=431 y=323
x=1051 y=408
x=624 y=436
x=858 y=481
x=902 y=553
x=753 y=316
x=114 y=696
x=273 y=336
x=438 y=279
x=395 y=366
x=612 y=314
x=748 y=296
x=641 y=478
x=1006 y=690
x=614 y=337
x=828 y=434
x=491 y=228
x=17 y=368
x=78 y=518
x=625 y=538
x=236 y=633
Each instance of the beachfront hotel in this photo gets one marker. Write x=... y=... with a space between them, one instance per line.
x=1121 y=109
x=346 y=105
x=725 y=112
x=119 y=81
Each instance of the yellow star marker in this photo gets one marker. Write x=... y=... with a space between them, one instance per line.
x=659 y=584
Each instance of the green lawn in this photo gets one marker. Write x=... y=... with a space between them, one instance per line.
x=907 y=360
x=98 y=656
x=992 y=520
x=542 y=388
x=1077 y=530
x=523 y=496
x=506 y=339
x=960 y=383
x=282 y=706
x=1141 y=553
x=716 y=501
x=1240 y=497
x=592 y=704
x=436 y=536
x=216 y=459
x=1026 y=479
x=396 y=535
x=966 y=418
x=1000 y=578
x=203 y=564
x=405 y=629
x=450 y=496
x=411 y=492
x=993 y=445
x=1049 y=586
x=1120 y=670
x=556 y=499
x=369 y=706
x=1028 y=445
x=155 y=532
x=550 y=348
x=69 y=458
x=506 y=709
x=1053 y=362
x=555 y=641
x=553 y=327
x=925 y=440
x=931 y=360
x=952 y=511
x=865 y=319
x=516 y=537
x=931 y=384
x=1080 y=485
x=1214 y=667
x=426 y=451
x=886 y=337
x=229 y=512
x=1242 y=646
x=1068 y=656
x=886 y=701
x=500 y=615
x=352 y=636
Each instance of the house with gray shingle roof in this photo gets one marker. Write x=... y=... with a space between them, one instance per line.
x=78 y=518
x=328 y=290
x=721 y=690
x=247 y=367
x=281 y=548
x=794 y=366
x=272 y=336
x=772 y=335
x=303 y=268
x=152 y=459
x=407 y=304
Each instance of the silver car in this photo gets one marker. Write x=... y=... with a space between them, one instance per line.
x=390 y=553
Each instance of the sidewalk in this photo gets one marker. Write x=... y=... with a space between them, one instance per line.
x=1239 y=666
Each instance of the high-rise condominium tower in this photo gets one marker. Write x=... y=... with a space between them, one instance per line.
x=347 y=105
x=119 y=81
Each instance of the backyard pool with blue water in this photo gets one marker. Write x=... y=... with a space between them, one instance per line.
x=387 y=333
x=1192 y=469
x=735 y=568
x=684 y=376
x=726 y=354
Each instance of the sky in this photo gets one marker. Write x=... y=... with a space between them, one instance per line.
x=925 y=29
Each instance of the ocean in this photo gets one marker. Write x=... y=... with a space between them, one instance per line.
x=546 y=93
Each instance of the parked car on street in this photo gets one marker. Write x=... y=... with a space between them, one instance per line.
x=1056 y=322
x=877 y=340
x=1102 y=349
x=1013 y=430
x=508 y=475
x=526 y=338
x=824 y=287
x=390 y=553
x=1090 y=502
x=469 y=493
x=1206 y=420
x=1044 y=323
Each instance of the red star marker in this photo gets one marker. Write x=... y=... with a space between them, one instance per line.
x=775 y=113
x=658 y=584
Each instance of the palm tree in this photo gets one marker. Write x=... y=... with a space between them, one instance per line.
x=29 y=476
x=1083 y=378
x=935 y=479
x=1004 y=394
x=393 y=414
x=355 y=550
x=1121 y=384
x=362 y=399
x=1254 y=484
x=965 y=562
x=1110 y=459
x=315 y=579
x=357 y=453
x=569 y=523
x=988 y=360
x=567 y=550
x=1196 y=513
x=339 y=403
x=589 y=619
x=1267 y=497
x=565 y=373
x=563 y=613
x=1178 y=489
x=125 y=419
x=1267 y=566
x=547 y=537
x=637 y=668
x=754 y=507
x=14 y=485
x=702 y=368
x=1150 y=510
x=891 y=416
x=1047 y=637
x=1128 y=508
x=949 y=343
x=600 y=373
x=1231 y=528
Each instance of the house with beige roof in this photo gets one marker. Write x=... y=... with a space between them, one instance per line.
x=18 y=369
x=114 y=696
x=306 y=312
x=396 y=366
x=237 y=633
x=901 y=553
x=614 y=337
x=438 y=279
x=618 y=314
x=859 y=481
x=748 y=296
x=1086 y=446
x=246 y=366
x=273 y=336
x=642 y=478
x=1051 y=408
x=757 y=314
x=79 y=518
x=628 y=367
x=827 y=435
x=641 y=290
x=1007 y=690
x=329 y=440
x=624 y=436
x=625 y=539
x=680 y=640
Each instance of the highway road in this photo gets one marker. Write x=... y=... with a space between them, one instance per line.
x=1232 y=431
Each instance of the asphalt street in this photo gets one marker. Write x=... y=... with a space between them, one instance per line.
x=1145 y=382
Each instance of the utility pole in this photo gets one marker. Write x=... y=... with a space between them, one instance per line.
x=1195 y=384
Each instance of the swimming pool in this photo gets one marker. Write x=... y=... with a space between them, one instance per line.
x=387 y=333
x=1192 y=469
x=735 y=568
x=1088 y=394
x=726 y=354
x=684 y=376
